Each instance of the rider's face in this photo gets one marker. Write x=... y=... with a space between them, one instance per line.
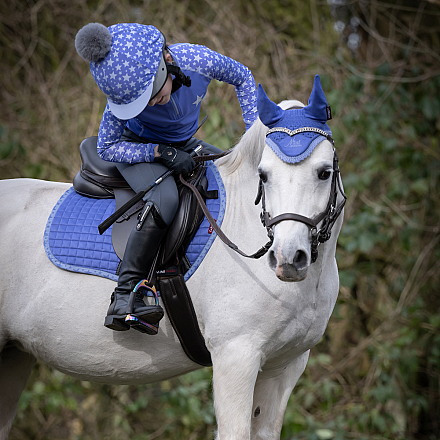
x=164 y=95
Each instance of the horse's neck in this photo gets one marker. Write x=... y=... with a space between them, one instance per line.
x=242 y=217
x=241 y=189
x=240 y=184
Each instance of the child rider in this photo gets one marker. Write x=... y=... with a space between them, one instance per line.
x=154 y=93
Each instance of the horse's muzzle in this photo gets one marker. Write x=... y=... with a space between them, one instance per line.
x=290 y=271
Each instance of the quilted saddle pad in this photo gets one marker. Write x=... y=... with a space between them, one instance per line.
x=72 y=241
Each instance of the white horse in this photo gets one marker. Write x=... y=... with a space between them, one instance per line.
x=259 y=318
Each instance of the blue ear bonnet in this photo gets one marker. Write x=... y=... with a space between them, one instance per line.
x=295 y=147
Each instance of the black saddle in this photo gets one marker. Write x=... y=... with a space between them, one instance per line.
x=98 y=178
x=101 y=179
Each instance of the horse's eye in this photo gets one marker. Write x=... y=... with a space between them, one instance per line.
x=263 y=176
x=324 y=174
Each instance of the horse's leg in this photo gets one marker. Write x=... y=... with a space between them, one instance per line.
x=272 y=392
x=15 y=368
x=235 y=369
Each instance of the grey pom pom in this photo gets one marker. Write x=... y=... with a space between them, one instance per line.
x=93 y=42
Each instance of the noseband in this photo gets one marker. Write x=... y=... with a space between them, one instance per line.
x=328 y=216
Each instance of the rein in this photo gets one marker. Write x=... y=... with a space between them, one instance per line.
x=212 y=221
x=328 y=216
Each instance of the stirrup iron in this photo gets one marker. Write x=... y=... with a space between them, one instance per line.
x=135 y=322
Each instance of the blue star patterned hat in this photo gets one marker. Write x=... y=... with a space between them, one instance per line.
x=286 y=137
x=127 y=63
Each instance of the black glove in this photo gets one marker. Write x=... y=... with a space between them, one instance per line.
x=177 y=160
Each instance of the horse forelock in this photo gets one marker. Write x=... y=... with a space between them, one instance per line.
x=291 y=103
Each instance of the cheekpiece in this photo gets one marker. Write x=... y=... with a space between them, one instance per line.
x=294 y=133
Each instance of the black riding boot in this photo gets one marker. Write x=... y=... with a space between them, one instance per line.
x=127 y=307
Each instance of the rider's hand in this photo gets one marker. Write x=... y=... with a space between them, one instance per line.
x=178 y=161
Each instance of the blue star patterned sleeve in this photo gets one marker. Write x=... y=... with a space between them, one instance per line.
x=111 y=149
x=213 y=65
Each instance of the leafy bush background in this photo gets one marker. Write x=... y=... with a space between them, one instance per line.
x=375 y=374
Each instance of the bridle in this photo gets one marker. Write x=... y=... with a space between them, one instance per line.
x=328 y=216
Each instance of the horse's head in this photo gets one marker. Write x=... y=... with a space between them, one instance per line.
x=301 y=194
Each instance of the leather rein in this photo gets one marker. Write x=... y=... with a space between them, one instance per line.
x=328 y=216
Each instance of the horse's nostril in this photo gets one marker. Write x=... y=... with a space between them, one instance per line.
x=300 y=260
x=272 y=260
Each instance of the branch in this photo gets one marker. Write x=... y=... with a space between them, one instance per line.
x=410 y=222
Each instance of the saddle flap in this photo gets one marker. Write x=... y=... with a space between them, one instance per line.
x=187 y=219
x=122 y=228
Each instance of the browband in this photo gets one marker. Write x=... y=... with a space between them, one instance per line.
x=301 y=130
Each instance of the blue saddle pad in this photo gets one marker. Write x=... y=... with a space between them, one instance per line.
x=72 y=241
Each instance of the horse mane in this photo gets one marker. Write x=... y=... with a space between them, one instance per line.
x=250 y=147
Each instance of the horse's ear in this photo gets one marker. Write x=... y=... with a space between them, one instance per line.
x=268 y=112
x=317 y=107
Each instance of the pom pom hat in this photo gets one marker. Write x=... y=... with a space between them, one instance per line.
x=127 y=63
x=293 y=149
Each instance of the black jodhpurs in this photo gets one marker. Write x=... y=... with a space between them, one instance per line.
x=165 y=196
